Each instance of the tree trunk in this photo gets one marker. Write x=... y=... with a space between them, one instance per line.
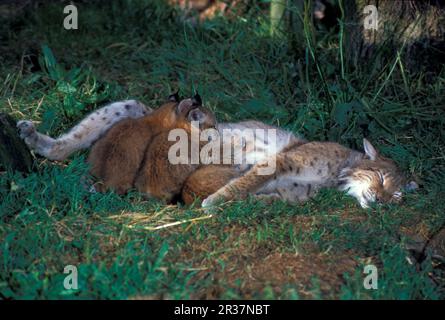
x=417 y=26
x=14 y=154
x=277 y=8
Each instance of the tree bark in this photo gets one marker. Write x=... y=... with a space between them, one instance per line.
x=14 y=154
x=417 y=26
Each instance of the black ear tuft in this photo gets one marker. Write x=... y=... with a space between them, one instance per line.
x=174 y=97
x=197 y=101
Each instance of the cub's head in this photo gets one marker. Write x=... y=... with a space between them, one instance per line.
x=184 y=113
x=374 y=179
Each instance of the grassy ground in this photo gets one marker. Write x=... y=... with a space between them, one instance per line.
x=132 y=49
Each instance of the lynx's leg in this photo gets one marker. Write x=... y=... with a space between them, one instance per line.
x=250 y=182
x=268 y=198
x=298 y=174
x=292 y=192
x=207 y=180
x=84 y=134
x=40 y=143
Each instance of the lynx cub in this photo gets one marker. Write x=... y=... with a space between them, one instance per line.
x=133 y=153
x=302 y=170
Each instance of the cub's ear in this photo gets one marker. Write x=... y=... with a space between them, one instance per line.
x=174 y=97
x=197 y=101
x=184 y=106
x=197 y=115
x=370 y=151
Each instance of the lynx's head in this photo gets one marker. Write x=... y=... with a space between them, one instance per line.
x=183 y=113
x=374 y=178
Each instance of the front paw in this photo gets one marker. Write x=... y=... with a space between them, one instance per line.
x=26 y=128
x=212 y=200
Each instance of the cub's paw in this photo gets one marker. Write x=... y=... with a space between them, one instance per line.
x=212 y=200
x=26 y=128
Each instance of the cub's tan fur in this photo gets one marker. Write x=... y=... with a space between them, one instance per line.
x=207 y=180
x=134 y=152
x=158 y=177
x=301 y=170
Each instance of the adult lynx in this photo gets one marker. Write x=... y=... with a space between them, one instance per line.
x=303 y=169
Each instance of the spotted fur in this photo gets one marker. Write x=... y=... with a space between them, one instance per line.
x=84 y=134
x=302 y=170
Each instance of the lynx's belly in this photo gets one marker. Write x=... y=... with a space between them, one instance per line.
x=253 y=141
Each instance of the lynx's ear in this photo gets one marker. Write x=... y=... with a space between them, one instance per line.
x=174 y=97
x=370 y=151
x=185 y=106
x=197 y=101
x=196 y=115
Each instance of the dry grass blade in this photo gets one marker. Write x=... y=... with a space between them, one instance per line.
x=168 y=225
x=161 y=219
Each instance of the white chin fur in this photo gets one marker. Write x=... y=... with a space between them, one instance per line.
x=357 y=189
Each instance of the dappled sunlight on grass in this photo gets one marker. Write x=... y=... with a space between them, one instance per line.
x=131 y=247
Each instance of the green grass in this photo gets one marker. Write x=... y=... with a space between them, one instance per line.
x=249 y=250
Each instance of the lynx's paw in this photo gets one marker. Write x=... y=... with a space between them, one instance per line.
x=26 y=128
x=28 y=133
x=213 y=200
